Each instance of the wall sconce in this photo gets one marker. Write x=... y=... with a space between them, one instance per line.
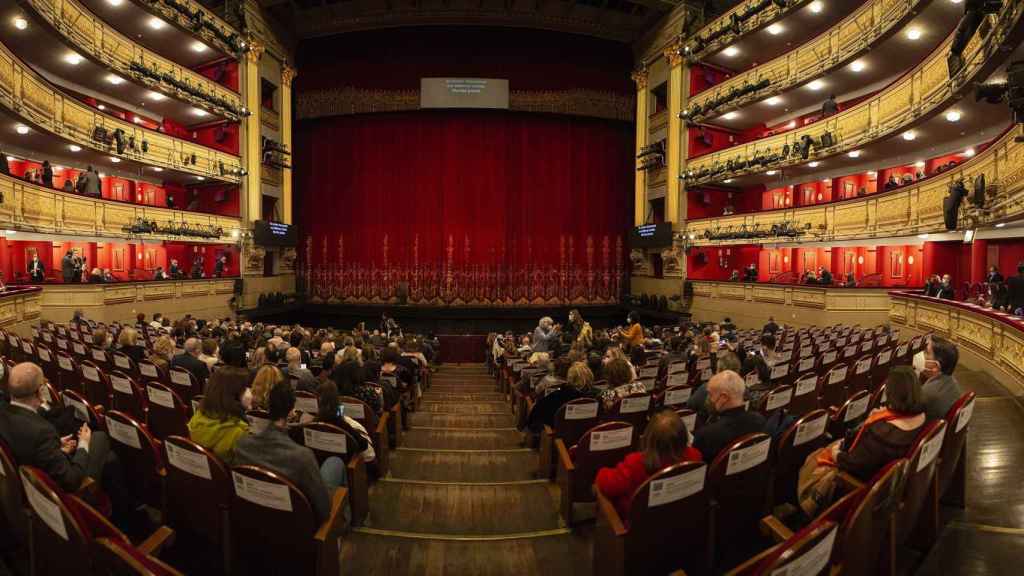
x=910 y=260
x=819 y=196
x=785 y=259
x=860 y=259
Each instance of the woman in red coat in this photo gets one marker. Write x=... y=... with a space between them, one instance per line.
x=665 y=442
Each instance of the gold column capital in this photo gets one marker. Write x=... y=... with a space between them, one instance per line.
x=288 y=74
x=640 y=78
x=674 y=54
x=255 y=51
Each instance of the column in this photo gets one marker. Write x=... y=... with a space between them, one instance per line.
x=640 y=186
x=252 y=201
x=675 y=135
x=287 y=75
x=979 y=260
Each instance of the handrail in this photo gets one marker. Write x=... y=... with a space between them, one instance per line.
x=32 y=208
x=200 y=21
x=768 y=14
x=32 y=97
x=911 y=209
x=872 y=22
x=922 y=91
x=94 y=37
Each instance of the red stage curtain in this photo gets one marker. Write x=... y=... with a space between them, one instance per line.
x=465 y=206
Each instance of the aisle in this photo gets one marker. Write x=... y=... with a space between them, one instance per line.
x=461 y=498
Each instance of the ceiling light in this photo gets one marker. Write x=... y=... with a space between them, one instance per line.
x=872 y=173
x=817 y=6
x=115 y=79
x=156 y=23
x=913 y=33
x=75 y=148
x=773 y=101
x=137 y=120
x=858 y=65
x=200 y=178
x=235 y=233
x=816 y=85
x=21 y=129
x=11 y=158
x=20 y=23
x=854 y=154
x=730 y=115
x=956 y=1
x=1001 y=224
x=101 y=106
x=727 y=181
x=115 y=159
x=953 y=116
x=814 y=164
x=922 y=236
x=198 y=47
x=919 y=164
x=73 y=58
x=199 y=112
x=155 y=96
x=115 y=2
x=969 y=152
x=909 y=135
x=157 y=169
x=791 y=125
x=776 y=29
x=772 y=172
x=731 y=51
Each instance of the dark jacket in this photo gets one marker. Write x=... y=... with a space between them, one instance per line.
x=543 y=413
x=34 y=442
x=67 y=268
x=946 y=292
x=1015 y=289
x=39 y=274
x=939 y=394
x=136 y=353
x=731 y=425
x=274 y=450
x=197 y=367
x=879 y=444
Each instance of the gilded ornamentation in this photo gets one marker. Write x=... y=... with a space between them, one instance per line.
x=640 y=78
x=288 y=257
x=158 y=292
x=933 y=318
x=769 y=294
x=641 y=265
x=734 y=292
x=809 y=298
x=288 y=75
x=119 y=294
x=254 y=258
x=977 y=333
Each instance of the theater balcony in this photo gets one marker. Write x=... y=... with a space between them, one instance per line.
x=204 y=298
x=41 y=117
x=78 y=50
x=920 y=95
x=868 y=50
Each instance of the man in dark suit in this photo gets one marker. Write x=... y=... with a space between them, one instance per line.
x=824 y=276
x=36 y=270
x=67 y=266
x=1015 y=287
x=725 y=398
x=189 y=360
x=946 y=291
x=220 y=266
x=771 y=327
x=33 y=440
x=174 y=270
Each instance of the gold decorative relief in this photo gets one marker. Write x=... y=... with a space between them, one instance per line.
x=733 y=291
x=898 y=310
x=8 y=313
x=118 y=294
x=158 y=292
x=769 y=294
x=936 y=319
x=809 y=298
x=194 y=288
x=977 y=333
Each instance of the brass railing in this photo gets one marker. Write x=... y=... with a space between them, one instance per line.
x=28 y=95
x=207 y=25
x=755 y=22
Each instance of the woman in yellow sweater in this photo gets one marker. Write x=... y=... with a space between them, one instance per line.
x=220 y=420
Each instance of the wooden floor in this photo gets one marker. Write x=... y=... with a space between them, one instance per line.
x=461 y=497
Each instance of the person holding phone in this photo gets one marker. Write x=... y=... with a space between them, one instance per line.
x=332 y=411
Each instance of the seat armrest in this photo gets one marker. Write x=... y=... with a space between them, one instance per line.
x=548 y=430
x=749 y=565
x=849 y=481
x=87 y=488
x=382 y=423
x=336 y=519
x=163 y=536
x=776 y=529
x=563 y=455
x=607 y=511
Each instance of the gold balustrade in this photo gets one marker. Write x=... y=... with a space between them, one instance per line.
x=221 y=39
x=94 y=37
x=856 y=33
x=769 y=13
x=25 y=93
x=923 y=91
x=121 y=301
x=912 y=209
x=32 y=208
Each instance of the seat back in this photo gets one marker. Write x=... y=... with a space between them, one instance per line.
x=633 y=409
x=68 y=377
x=139 y=454
x=359 y=411
x=806 y=364
x=958 y=421
x=807 y=553
x=184 y=383
x=851 y=414
x=60 y=544
x=776 y=400
x=676 y=395
x=199 y=486
x=44 y=356
x=94 y=383
x=805 y=394
x=603 y=446
x=574 y=418
x=859 y=378
x=829 y=359
x=922 y=460
x=794 y=445
x=84 y=410
x=124 y=363
x=150 y=372
x=307 y=402
x=880 y=369
x=781 y=373
x=99 y=357
x=739 y=494
x=325 y=440
x=12 y=499
x=167 y=413
x=832 y=387
x=865 y=528
x=655 y=529
x=126 y=395
x=268 y=508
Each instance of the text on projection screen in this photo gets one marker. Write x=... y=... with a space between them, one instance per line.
x=464 y=93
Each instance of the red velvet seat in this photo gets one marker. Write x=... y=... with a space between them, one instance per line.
x=832 y=387
x=634 y=409
x=376 y=427
x=739 y=496
x=603 y=446
x=571 y=421
x=68 y=376
x=850 y=415
x=184 y=383
x=94 y=383
x=167 y=413
x=793 y=446
x=326 y=440
x=859 y=376
x=127 y=396
x=776 y=400
x=124 y=363
x=807 y=553
x=140 y=456
x=805 y=394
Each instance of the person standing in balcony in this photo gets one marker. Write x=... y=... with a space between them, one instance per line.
x=47 y=174
x=4 y=168
x=829 y=108
x=824 y=276
x=946 y=291
x=36 y=270
x=1015 y=287
x=67 y=267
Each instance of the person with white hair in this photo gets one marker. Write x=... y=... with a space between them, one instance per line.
x=725 y=401
x=545 y=336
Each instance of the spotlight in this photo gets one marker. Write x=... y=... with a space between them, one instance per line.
x=854 y=154
x=775 y=29
x=914 y=34
x=20 y=23
x=21 y=129
x=858 y=65
x=817 y=6
x=75 y=148
x=73 y=58
x=953 y=116
x=909 y=135
x=156 y=23
x=731 y=51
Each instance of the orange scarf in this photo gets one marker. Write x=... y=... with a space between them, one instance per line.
x=885 y=415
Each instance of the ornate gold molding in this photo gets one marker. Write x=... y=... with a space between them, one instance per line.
x=674 y=55
x=640 y=78
x=165 y=9
x=255 y=50
x=288 y=75
x=766 y=15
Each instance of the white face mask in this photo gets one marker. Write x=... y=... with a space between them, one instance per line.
x=918 y=362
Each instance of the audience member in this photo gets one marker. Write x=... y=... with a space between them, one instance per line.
x=946 y=290
x=189 y=360
x=304 y=378
x=941 y=389
x=332 y=412
x=163 y=350
x=1015 y=289
x=267 y=378
x=771 y=327
x=545 y=336
x=220 y=421
x=209 y=353
x=128 y=344
x=726 y=401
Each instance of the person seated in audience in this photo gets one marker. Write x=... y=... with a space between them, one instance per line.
x=735 y=276
x=275 y=450
x=579 y=382
x=994 y=276
x=829 y=107
x=665 y=442
x=305 y=380
x=267 y=378
x=810 y=277
x=163 y=350
x=220 y=421
x=159 y=274
x=698 y=399
x=128 y=344
x=633 y=336
x=96 y=276
x=851 y=280
x=555 y=377
x=545 y=336
x=727 y=325
x=157 y=322
x=940 y=389
x=209 y=353
x=332 y=412
x=371 y=364
x=726 y=400
x=174 y=270
x=824 y=276
x=108 y=276
x=68 y=186
x=189 y=360
x=621 y=381
x=750 y=274
x=771 y=327
x=887 y=434
x=891 y=183
x=945 y=290
x=614 y=352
